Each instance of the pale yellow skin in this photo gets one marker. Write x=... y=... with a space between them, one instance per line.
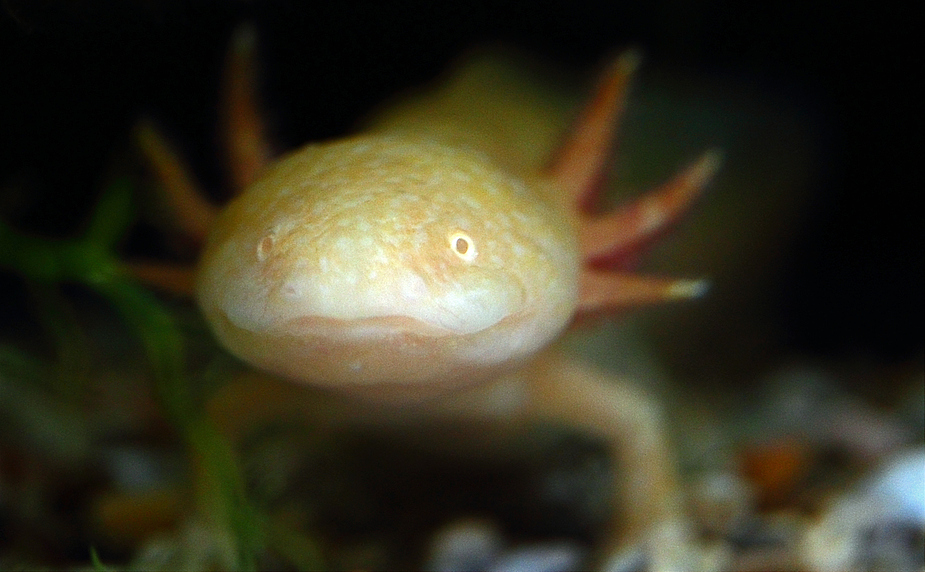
x=382 y=260
x=426 y=268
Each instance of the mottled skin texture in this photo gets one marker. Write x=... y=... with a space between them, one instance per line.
x=428 y=277
x=351 y=250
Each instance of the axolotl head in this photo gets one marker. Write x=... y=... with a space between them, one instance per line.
x=391 y=263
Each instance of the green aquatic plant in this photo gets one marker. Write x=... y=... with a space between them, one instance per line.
x=92 y=261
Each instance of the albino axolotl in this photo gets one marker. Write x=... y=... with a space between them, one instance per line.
x=423 y=273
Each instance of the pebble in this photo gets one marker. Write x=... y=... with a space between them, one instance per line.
x=466 y=545
x=900 y=483
x=722 y=500
x=471 y=545
x=137 y=468
x=549 y=557
x=880 y=525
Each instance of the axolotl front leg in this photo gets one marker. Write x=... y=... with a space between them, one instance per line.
x=411 y=271
x=648 y=516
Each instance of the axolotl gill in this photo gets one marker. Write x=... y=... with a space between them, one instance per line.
x=417 y=270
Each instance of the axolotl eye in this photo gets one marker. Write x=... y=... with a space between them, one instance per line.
x=463 y=246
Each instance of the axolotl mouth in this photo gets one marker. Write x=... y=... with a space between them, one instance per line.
x=387 y=351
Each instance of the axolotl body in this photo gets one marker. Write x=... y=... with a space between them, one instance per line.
x=419 y=273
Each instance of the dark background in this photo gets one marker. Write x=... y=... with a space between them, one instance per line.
x=76 y=75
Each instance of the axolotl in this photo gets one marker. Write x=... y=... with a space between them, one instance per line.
x=423 y=269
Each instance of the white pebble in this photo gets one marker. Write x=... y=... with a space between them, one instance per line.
x=552 y=557
x=894 y=496
x=900 y=483
x=466 y=545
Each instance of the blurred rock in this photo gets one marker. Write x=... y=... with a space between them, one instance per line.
x=548 y=557
x=721 y=500
x=900 y=485
x=466 y=545
x=880 y=526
